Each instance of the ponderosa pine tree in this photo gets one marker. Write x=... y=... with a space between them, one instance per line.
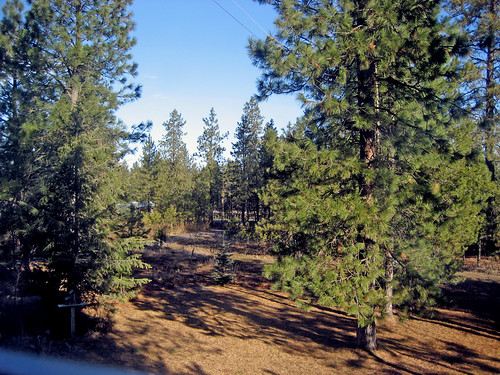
x=175 y=177
x=266 y=159
x=18 y=169
x=210 y=146
x=364 y=171
x=145 y=175
x=231 y=181
x=82 y=65
x=211 y=150
x=479 y=20
x=246 y=154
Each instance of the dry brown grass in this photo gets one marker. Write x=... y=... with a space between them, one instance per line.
x=181 y=324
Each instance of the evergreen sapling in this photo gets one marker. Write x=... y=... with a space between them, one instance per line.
x=223 y=269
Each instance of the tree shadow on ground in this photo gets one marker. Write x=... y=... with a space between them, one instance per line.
x=118 y=352
x=238 y=312
x=198 y=306
x=436 y=355
x=180 y=313
x=478 y=297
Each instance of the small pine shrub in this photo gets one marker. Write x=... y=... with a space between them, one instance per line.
x=223 y=267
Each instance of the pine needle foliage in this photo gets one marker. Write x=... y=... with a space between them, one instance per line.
x=479 y=21
x=209 y=182
x=115 y=274
x=73 y=71
x=175 y=177
x=376 y=172
x=246 y=155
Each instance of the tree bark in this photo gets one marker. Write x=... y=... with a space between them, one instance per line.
x=479 y=248
x=389 y=277
x=367 y=337
x=368 y=103
x=243 y=209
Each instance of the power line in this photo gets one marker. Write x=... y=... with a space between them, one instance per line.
x=233 y=17
x=250 y=17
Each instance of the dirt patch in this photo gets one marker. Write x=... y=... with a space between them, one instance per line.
x=182 y=324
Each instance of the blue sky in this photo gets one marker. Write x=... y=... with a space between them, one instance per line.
x=192 y=56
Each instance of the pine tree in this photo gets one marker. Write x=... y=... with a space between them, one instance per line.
x=146 y=175
x=231 y=182
x=76 y=70
x=18 y=151
x=480 y=86
x=360 y=179
x=210 y=147
x=211 y=151
x=480 y=22
x=173 y=147
x=266 y=157
x=175 y=177
x=246 y=153
x=223 y=267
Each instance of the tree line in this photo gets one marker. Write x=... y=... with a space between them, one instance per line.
x=370 y=199
x=178 y=189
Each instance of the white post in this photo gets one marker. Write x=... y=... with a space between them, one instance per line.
x=73 y=315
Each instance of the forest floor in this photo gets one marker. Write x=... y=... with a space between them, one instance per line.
x=183 y=324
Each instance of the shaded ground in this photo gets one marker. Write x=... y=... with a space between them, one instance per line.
x=181 y=324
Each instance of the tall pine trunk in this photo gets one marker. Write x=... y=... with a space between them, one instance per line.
x=367 y=97
x=243 y=209
x=479 y=249
x=389 y=277
x=366 y=334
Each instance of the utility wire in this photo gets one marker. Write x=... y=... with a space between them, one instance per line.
x=251 y=32
x=233 y=17
x=251 y=18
